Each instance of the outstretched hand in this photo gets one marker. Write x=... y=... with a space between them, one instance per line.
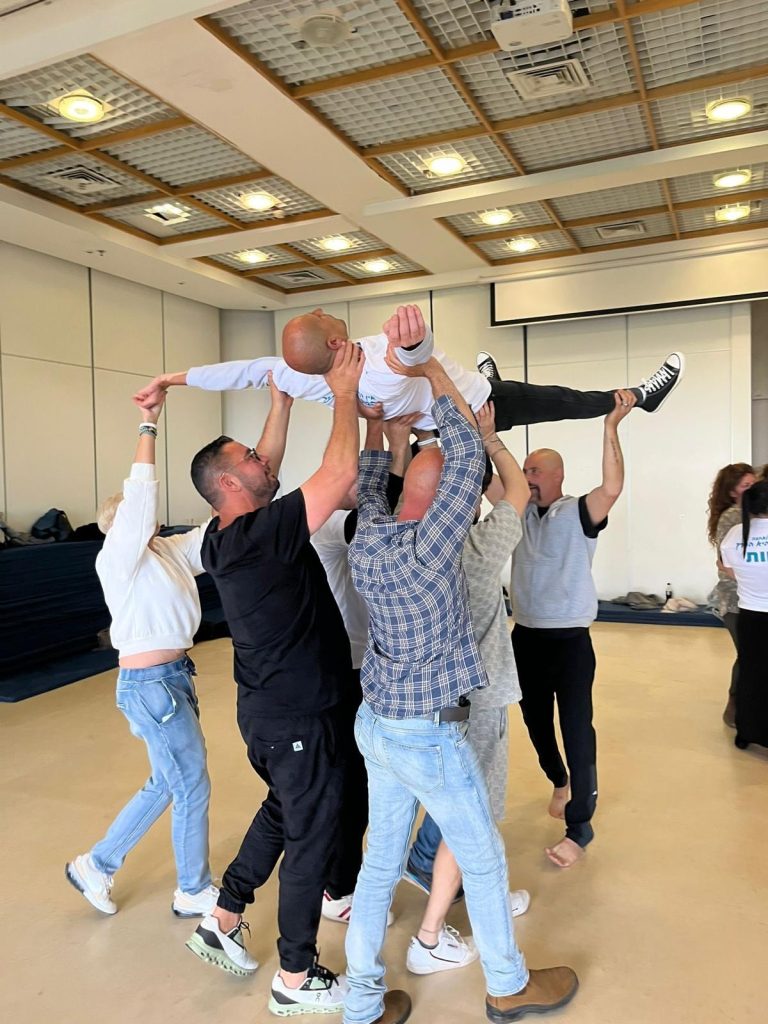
x=370 y=412
x=418 y=370
x=486 y=420
x=152 y=407
x=398 y=430
x=624 y=401
x=344 y=376
x=405 y=328
x=154 y=393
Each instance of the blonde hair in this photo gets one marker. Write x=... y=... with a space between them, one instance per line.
x=106 y=514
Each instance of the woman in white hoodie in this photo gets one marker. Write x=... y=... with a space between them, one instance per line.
x=150 y=590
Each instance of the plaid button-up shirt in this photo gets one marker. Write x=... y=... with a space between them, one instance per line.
x=421 y=653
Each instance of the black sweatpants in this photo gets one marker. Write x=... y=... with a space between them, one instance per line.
x=305 y=762
x=752 y=691
x=517 y=403
x=553 y=666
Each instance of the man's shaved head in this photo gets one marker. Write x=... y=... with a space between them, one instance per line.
x=420 y=483
x=309 y=341
x=544 y=472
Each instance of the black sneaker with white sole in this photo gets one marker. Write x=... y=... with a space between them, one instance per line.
x=486 y=365
x=322 y=992
x=224 y=949
x=654 y=392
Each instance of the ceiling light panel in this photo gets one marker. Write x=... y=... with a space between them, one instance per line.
x=135 y=216
x=396 y=108
x=40 y=175
x=18 y=140
x=183 y=156
x=291 y=201
x=549 y=241
x=380 y=34
x=127 y=106
x=656 y=226
x=610 y=200
x=482 y=157
x=276 y=258
x=360 y=241
x=524 y=214
x=601 y=52
x=681 y=118
x=397 y=265
x=704 y=219
x=456 y=23
x=701 y=38
x=319 y=277
x=577 y=140
x=700 y=186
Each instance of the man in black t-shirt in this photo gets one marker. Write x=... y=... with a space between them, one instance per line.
x=294 y=681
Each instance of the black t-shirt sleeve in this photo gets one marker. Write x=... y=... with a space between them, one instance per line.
x=284 y=526
x=590 y=529
x=350 y=526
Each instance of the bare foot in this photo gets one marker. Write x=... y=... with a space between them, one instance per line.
x=560 y=797
x=565 y=853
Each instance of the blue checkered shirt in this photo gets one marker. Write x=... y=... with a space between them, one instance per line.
x=421 y=653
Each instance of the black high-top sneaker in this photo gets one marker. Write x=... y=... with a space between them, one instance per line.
x=653 y=393
x=486 y=365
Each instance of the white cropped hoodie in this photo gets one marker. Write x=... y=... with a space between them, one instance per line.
x=150 y=591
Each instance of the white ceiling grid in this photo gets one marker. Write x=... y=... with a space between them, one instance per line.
x=684 y=117
x=482 y=156
x=291 y=201
x=704 y=219
x=17 y=140
x=610 y=200
x=38 y=175
x=523 y=215
x=276 y=258
x=135 y=215
x=656 y=226
x=699 y=186
x=550 y=241
x=183 y=156
x=397 y=265
x=361 y=242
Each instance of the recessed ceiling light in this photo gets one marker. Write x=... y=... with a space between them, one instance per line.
x=259 y=202
x=495 y=218
x=732 y=179
x=81 y=107
x=252 y=256
x=445 y=166
x=336 y=243
x=167 y=213
x=523 y=244
x=736 y=211
x=377 y=266
x=729 y=110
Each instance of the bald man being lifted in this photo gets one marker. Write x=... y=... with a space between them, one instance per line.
x=555 y=602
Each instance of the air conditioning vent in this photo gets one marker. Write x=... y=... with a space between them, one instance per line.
x=8 y=7
x=555 y=79
x=625 y=229
x=301 y=277
x=82 y=180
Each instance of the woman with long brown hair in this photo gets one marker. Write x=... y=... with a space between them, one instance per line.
x=724 y=513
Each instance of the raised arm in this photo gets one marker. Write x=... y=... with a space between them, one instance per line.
x=406 y=331
x=275 y=431
x=515 y=489
x=232 y=376
x=325 y=489
x=601 y=500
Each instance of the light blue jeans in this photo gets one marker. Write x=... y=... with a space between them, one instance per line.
x=160 y=704
x=412 y=761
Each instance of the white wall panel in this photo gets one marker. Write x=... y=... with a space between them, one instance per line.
x=191 y=333
x=127 y=326
x=49 y=446
x=367 y=316
x=117 y=423
x=246 y=334
x=44 y=307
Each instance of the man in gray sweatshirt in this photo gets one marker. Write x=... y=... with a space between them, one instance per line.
x=555 y=602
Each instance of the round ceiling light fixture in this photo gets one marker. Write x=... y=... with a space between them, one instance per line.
x=377 y=266
x=733 y=212
x=80 y=107
x=523 y=244
x=732 y=179
x=445 y=166
x=252 y=256
x=729 y=109
x=258 y=202
x=496 y=218
x=325 y=28
x=336 y=243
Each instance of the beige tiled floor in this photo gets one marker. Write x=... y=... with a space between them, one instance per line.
x=666 y=920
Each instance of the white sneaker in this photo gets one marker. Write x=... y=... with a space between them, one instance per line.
x=83 y=874
x=341 y=909
x=224 y=949
x=185 y=904
x=519 y=901
x=322 y=992
x=451 y=951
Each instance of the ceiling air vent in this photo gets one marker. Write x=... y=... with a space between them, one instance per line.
x=82 y=180
x=547 y=80
x=624 y=229
x=301 y=277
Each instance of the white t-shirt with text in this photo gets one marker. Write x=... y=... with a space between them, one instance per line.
x=751 y=568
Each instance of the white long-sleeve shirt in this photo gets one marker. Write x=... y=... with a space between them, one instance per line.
x=399 y=395
x=150 y=591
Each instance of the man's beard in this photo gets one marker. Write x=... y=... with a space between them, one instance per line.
x=265 y=492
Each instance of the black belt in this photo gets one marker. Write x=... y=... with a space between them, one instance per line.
x=453 y=714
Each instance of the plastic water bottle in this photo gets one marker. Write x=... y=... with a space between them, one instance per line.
x=668 y=592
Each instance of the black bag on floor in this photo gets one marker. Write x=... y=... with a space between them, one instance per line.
x=53 y=525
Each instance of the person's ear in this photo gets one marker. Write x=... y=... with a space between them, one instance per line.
x=334 y=343
x=230 y=483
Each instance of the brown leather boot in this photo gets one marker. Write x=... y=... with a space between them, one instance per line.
x=546 y=990
x=397 y=1008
